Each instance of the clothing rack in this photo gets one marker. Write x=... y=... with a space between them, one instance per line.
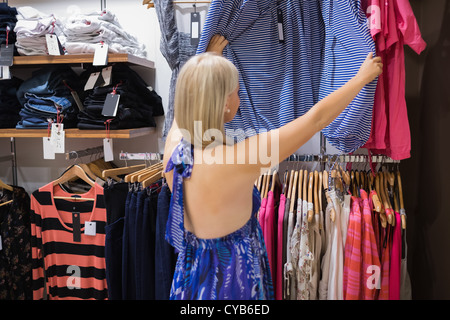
x=83 y=153
x=150 y=3
x=357 y=158
x=141 y=156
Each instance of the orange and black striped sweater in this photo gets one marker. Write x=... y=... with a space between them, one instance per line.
x=71 y=265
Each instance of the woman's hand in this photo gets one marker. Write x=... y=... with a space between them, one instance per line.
x=370 y=68
x=217 y=44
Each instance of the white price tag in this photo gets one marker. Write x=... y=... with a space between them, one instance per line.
x=91 y=81
x=101 y=55
x=57 y=137
x=108 y=152
x=90 y=228
x=106 y=74
x=52 y=44
x=6 y=74
x=49 y=151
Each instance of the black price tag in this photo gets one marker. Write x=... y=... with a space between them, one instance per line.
x=195 y=28
x=111 y=105
x=76 y=226
x=6 y=55
x=280 y=26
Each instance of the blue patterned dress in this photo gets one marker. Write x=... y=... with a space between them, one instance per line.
x=235 y=266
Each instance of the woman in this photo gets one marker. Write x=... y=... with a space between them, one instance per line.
x=212 y=221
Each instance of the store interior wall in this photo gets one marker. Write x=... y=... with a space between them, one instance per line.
x=425 y=175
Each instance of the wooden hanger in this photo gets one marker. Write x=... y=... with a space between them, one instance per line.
x=316 y=193
x=294 y=192
x=120 y=171
x=310 y=196
x=291 y=179
x=258 y=183
x=375 y=200
x=274 y=181
x=133 y=176
x=5 y=186
x=5 y=203
x=319 y=190
x=329 y=201
x=74 y=171
x=400 y=195
x=300 y=183
x=383 y=218
x=388 y=201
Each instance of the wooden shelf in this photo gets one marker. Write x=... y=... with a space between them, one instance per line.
x=77 y=133
x=80 y=58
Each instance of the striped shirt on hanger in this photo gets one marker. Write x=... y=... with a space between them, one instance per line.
x=275 y=77
x=70 y=267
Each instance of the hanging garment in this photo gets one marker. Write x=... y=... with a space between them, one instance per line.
x=371 y=266
x=290 y=266
x=325 y=259
x=405 y=281
x=165 y=257
x=280 y=249
x=15 y=246
x=347 y=43
x=386 y=244
x=345 y=217
x=353 y=254
x=335 y=281
x=70 y=267
x=176 y=48
x=269 y=232
x=393 y=25
x=205 y=266
x=286 y=252
x=116 y=196
x=302 y=251
x=275 y=77
x=316 y=247
x=396 y=257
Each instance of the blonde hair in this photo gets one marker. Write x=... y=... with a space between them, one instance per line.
x=203 y=86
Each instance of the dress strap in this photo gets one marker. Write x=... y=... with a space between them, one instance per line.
x=181 y=162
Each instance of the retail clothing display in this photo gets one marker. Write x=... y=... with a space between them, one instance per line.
x=31 y=28
x=344 y=252
x=9 y=104
x=85 y=31
x=392 y=25
x=67 y=260
x=47 y=95
x=15 y=245
x=139 y=262
x=138 y=105
x=231 y=267
x=8 y=22
x=176 y=47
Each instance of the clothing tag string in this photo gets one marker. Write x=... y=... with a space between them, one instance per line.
x=108 y=128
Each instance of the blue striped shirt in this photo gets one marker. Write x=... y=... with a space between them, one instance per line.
x=280 y=81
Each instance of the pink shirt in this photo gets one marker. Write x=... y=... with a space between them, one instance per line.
x=392 y=25
x=279 y=269
x=269 y=226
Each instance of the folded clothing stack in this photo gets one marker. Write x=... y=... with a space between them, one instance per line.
x=9 y=105
x=47 y=93
x=8 y=22
x=31 y=28
x=85 y=31
x=137 y=104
